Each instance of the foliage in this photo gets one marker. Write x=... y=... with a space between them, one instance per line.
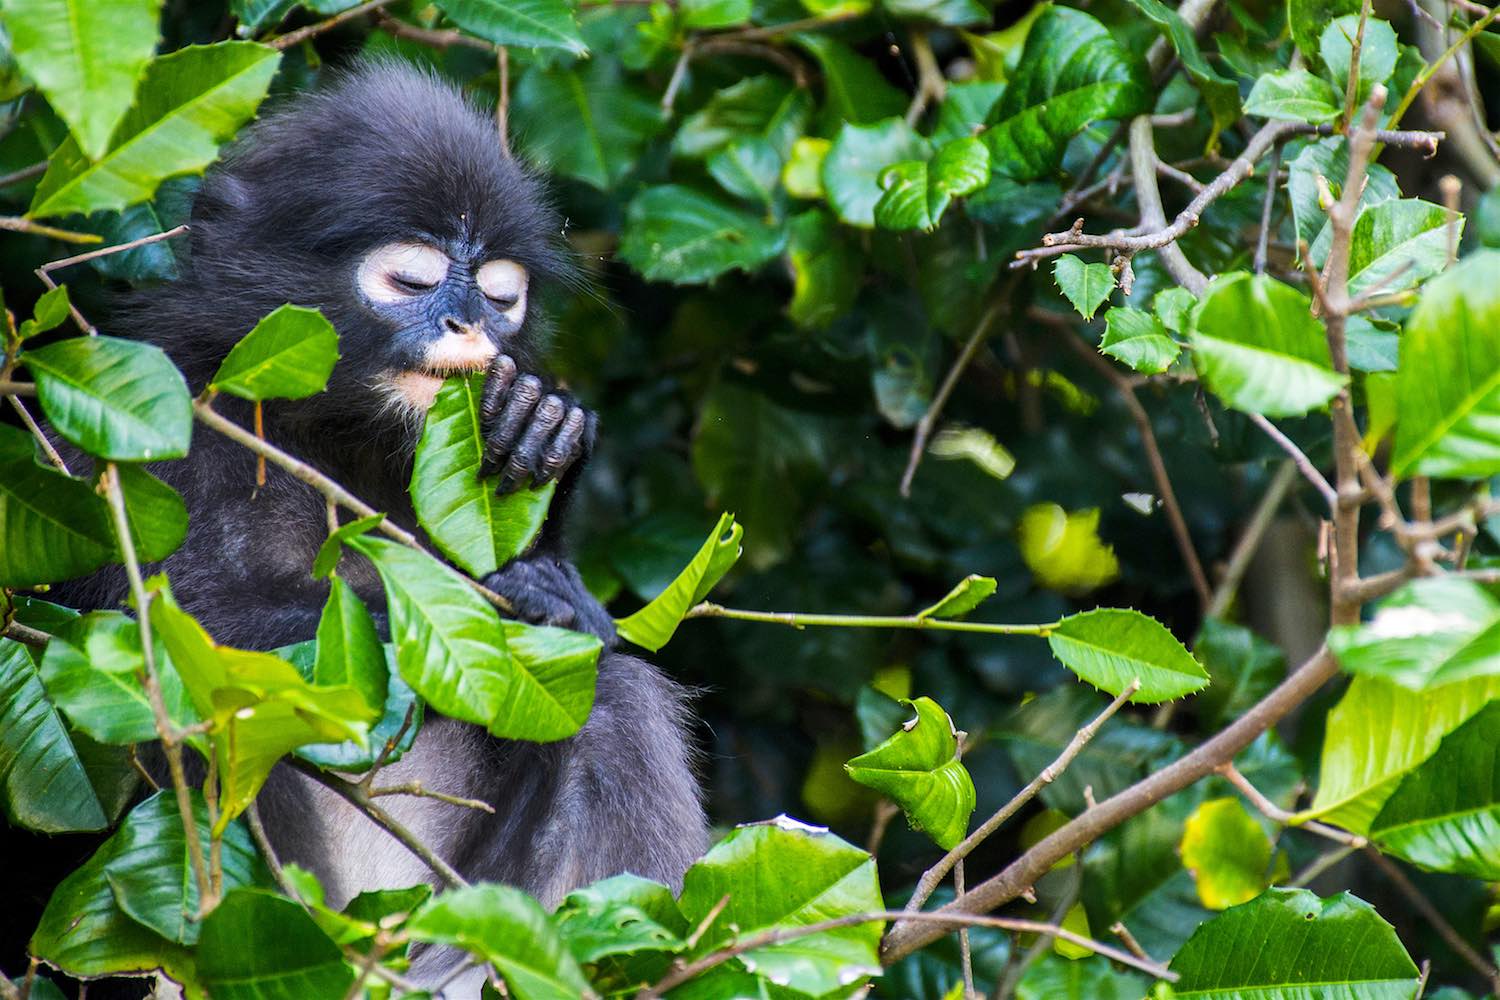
x=845 y=353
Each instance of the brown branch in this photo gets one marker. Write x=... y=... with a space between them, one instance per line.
x=24 y=174
x=9 y=388
x=418 y=790
x=57 y=265
x=36 y=433
x=25 y=633
x=21 y=224
x=907 y=935
x=931 y=84
x=1272 y=811
x=441 y=39
x=301 y=35
x=1299 y=459
x=934 y=876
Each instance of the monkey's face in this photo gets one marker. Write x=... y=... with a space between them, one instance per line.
x=449 y=307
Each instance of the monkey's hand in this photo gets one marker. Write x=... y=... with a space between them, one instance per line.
x=545 y=590
x=531 y=430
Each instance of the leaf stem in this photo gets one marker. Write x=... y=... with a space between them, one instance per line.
x=799 y=620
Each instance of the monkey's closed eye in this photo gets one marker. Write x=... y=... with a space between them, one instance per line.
x=397 y=271
x=504 y=283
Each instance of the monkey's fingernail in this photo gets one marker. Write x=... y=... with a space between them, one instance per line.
x=508 y=483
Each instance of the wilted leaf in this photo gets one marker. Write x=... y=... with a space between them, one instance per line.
x=919 y=769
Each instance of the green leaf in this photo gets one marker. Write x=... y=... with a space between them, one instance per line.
x=1376 y=734
x=460 y=512
x=951 y=13
x=1109 y=647
x=784 y=874
x=802 y=176
x=532 y=24
x=1053 y=977
x=748 y=169
x=121 y=400
x=855 y=161
x=93 y=668
x=714 y=13
x=1220 y=93
x=189 y=102
x=917 y=193
x=348 y=649
x=255 y=15
x=508 y=929
x=1433 y=631
x=520 y=682
x=1308 y=19
x=622 y=915
x=584 y=122
x=973 y=445
x=1086 y=286
x=51 y=310
x=1293 y=95
x=1138 y=340
x=970 y=592
x=1445 y=814
x=919 y=769
x=855 y=92
x=156 y=513
x=1398 y=244
x=1329 y=158
x=288 y=355
x=652 y=626
x=966 y=107
x=1259 y=348
x=43 y=785
x=1174 y=307
x=52 y=527
x=259 y=946
x=1448 y=382
x=152 y=877
x=85 y=56
x=1064 y=551
x=1288 y=944
x=326 y=562
x=1072 y=73
x=675 y=234
x=1377 y=53
x=1242 y=668
x=825 y=269
x=1227 y=852
x=757 y=107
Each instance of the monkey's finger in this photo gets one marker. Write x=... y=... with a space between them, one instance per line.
x=562 y=449
x=497 y=383
x=525 y=456
x=508 y=425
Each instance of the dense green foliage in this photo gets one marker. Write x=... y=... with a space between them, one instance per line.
x=841 y=363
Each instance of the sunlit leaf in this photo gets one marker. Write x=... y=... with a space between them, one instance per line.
x=1110 y=647
x=1227 y=852
x=288 y=355
x=1086 y=286
x=852 y=168
x=1293 y=95
x=258 y=945
x=533 y=24
x=1399 y=243
x=348 y=648
x=970 y=592
x=1138 y=340
x=675 y=234
x=652 y=626
x=918 y=768
x=1378 y=51
x=1064 y=551
x=156 y=513
x=1431 y=632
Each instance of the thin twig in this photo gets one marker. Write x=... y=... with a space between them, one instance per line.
x=1267 y=208
x=9 y=388
x=1434 y=916
x=57 y=265
x=440 y=39
x=21 y=224
x=1321 y=864
x=934 y=876
x=931 y=84
x=800 y=620
x=301 y=35
x=25 y=633
x=416 y=789
x=36 y=432
x=1299 y=458
x=502 y=106
x=24 y=174
x=1272 y=811
x=1143 y=164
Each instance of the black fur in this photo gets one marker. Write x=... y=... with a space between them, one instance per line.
x=390 y=153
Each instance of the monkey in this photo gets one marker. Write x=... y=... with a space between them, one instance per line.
x=385 y=200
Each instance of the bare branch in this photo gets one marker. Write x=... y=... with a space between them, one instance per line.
x=21 y=224
x=301 y=35
x=1299 y=458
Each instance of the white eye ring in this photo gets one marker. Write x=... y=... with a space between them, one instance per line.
x=504 y=283
x=397 y=271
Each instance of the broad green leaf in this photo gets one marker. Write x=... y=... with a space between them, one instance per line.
x=326 y=562
x=1288 y=944
x=917 y=193
x=1293 y=95
x=1448 y=382
x=1308 y=19
x=973 y=445
x=1086 y=286
x=784 y=874
x=348 y=648
x=621 y=915
x=156 y=513
x=1227 y=852
x=86 y=56
x=1072 y=73
x=1259 y=348
x=1433 y=631
x=652 y=626
x=584 y=122
x=255 y=15
x=151 y=875
x=748 y=169
x=676 y=234
x=43 y=785
x=1110 y=647
x=918 y=768
x=188 y=103
x=855 y=92
x=1329 y=158
x=1174 y=307
x=1378 y=52
x=118 y=399
x=1398 y=244
x=1138 y=340
x=855 y=161
x=52 y=527
x=460 y=512
x=1379 y=732
x=1242 y=668
x=93 y=668
x=260 y=706
x=1445 y=814
x=400 y=700
x=50 y=312
x=508 y=929
x=84 y=933
x=802 y=176
x=757 y=107
x=1063 y=550
x=453 y=650
x=532 y=24
x=1220 y=93
x=970 y=592
x=965 y=108
x=288 y=355
x=713 y=13
x=826 y=269
x=1053 y=977
x=256 y=945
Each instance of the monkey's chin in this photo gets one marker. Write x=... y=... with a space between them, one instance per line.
x=415 y=390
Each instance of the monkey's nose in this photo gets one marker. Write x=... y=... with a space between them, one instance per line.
x=452 y=324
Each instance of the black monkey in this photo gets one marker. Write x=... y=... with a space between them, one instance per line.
x=386 y=202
